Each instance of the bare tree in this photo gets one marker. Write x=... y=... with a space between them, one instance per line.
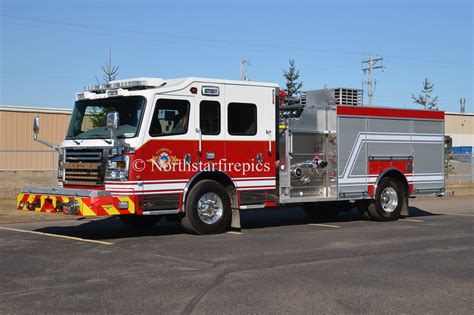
x=109 y=71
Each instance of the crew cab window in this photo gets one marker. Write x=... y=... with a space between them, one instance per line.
x=210 y=117
x=242 y=119
x=170 y=117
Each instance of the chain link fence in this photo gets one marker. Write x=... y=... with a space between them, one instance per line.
x=29 y=160
x=460 y=168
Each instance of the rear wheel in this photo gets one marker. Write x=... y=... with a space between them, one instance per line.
x=140 y=221
x=207 y=209
x=389 y=200
x=322 y=210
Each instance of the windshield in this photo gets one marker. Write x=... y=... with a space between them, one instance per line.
x=89 y=117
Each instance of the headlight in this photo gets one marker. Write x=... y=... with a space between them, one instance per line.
x=117 y=168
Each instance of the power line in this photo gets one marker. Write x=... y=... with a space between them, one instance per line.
x=200 y=39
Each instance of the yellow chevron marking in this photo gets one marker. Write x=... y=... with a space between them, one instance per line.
x=18 y=198
x=110 y=209
x=85 y=209
x=31 y=198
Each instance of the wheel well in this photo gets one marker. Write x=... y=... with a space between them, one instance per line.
x=398 y=176
x=219 y=177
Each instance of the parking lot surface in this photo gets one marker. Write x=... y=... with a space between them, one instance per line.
x=282 y=262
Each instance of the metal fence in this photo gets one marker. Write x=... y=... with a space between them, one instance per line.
x=29 y=160
x=460 y=168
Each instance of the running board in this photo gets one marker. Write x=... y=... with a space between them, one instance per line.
x=158 y=212
x=248 y=207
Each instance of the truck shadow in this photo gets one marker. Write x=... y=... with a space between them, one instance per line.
x=113 y=228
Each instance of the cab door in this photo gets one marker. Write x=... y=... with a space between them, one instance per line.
x=209 y=105
x=169 y=146
x=250 y=149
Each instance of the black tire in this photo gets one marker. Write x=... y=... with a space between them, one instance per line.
x=376 y=209
x=322 y=210
x=363 y=208
x=140 y=221
x=193 y=223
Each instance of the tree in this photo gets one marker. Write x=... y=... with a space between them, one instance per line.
x=424 y=98
x=293 y=86
x=109 y=71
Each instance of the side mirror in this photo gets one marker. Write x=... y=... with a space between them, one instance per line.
x=113 y=121
x=36 y=125
x=36 y=129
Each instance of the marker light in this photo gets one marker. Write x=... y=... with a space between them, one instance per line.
x=123 y=205
x=193 y=90
x=113 y=93
x=210 y=90
x=84 y=95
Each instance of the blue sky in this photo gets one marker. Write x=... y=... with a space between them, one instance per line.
x=52 y=49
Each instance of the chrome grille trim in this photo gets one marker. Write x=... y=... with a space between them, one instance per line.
x=84 y=166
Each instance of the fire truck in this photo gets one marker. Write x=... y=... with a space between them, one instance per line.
x=202 y=150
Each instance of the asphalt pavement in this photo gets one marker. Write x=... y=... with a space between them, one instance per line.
x=282 y=262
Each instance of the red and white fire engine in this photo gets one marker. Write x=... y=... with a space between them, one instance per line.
x=204 y=149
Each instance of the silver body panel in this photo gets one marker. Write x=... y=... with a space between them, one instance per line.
x=355 y=141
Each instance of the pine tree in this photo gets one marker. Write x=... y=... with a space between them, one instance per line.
x=424 y=98
x=293 y=86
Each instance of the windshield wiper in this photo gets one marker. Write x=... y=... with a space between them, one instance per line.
x=95 y=136
x=75 y=141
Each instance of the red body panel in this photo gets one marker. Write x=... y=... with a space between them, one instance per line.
x=389 y=112
x=377 y=167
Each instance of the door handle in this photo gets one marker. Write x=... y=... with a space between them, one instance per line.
x=210 y=155
x=269 y=133
x=200 y=140
x=187 y=158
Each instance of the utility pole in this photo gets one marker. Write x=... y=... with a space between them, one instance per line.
x=371 y=66
x=462 y=101
x=243 y=69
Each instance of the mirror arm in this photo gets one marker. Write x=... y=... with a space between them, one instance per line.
x=46 y=143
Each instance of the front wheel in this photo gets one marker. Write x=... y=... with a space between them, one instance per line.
x=389 y=200
x=207 y=209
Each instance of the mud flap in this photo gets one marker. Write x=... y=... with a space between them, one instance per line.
x=235 y=223
x=405 y=212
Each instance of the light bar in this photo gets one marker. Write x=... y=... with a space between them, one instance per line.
x=127 y=84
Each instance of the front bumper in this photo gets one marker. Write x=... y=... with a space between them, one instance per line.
x=80 y=202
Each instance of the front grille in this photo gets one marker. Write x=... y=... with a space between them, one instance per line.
x=84 y=167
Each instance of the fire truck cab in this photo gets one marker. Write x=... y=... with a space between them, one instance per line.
x=203 y=149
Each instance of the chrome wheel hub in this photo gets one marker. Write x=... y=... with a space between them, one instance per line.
x=210 y=208
x=389 y=199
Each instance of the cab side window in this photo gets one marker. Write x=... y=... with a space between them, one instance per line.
x=242 y=119
x=210 y=117
x=170 y=117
